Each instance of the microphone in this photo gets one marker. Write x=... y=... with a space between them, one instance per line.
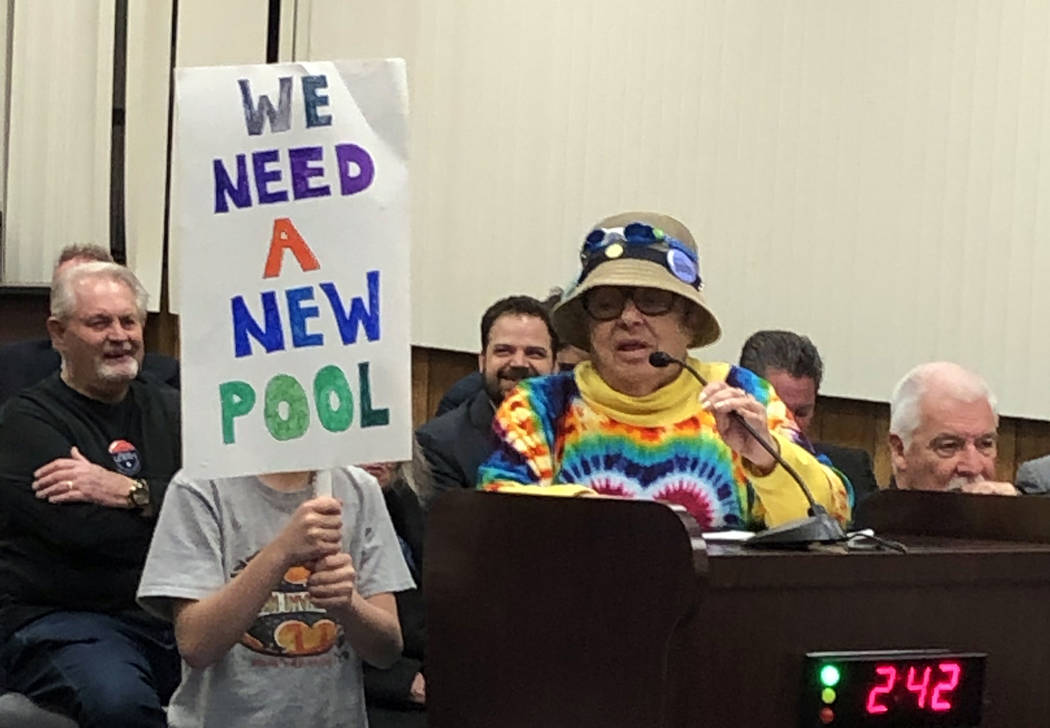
x=818 y=526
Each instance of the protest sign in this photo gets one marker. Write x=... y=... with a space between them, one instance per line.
x=292 y=227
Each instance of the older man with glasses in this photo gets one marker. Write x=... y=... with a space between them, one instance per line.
x=943 y=432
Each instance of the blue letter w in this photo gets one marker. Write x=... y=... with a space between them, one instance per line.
x=358 y=314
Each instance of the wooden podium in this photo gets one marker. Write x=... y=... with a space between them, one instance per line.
x=592 y=612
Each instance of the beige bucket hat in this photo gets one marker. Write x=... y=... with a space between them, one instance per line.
x=647 y=249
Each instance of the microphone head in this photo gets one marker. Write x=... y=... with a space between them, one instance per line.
x=660 y=359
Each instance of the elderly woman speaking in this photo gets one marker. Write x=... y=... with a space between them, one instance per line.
x=620 y=426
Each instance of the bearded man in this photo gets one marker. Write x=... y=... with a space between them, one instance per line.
x=517 y=342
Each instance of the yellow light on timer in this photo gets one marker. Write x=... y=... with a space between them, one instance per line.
x=829 y=678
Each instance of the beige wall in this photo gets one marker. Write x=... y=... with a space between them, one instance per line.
x=58 y=131
x=874 y=174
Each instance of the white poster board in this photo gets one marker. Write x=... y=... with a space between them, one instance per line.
x=293 y=232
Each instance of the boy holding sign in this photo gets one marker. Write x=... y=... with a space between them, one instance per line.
x=292 y=212
x=276 y=594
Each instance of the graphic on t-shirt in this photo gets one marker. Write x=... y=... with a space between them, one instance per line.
x=290 y=624
x=125 y=457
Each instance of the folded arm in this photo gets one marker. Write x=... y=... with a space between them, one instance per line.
x=47 y=487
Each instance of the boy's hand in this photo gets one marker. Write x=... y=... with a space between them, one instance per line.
x=332 y=584
x=417 y=692
x=314 y=532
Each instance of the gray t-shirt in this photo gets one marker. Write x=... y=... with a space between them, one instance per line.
x=293 y=666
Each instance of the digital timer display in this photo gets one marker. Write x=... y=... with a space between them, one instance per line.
x=893 y=689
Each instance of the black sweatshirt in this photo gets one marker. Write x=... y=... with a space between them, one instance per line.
x=79 y=556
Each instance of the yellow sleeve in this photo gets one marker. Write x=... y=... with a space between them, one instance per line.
x=565 y=490
x=779 y=497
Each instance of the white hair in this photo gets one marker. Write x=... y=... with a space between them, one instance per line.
x=953 y=380
x=63 y=291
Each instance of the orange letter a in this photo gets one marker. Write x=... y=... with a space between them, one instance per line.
x=286 y=236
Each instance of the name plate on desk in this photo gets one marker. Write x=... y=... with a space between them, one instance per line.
x=893 y=689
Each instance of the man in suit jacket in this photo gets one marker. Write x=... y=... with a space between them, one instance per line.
x=855 y=463
x=517 y=341
x=792 y=364
x=1033 y=477
x=566 y=358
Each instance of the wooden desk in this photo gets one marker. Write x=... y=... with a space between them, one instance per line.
x=772 y=608
x=555 y=612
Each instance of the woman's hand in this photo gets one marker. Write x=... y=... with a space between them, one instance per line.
x=720 y=400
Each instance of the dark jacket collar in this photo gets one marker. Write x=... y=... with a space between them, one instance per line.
x=481 y=411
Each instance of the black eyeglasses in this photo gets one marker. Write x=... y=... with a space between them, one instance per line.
x=605 y=303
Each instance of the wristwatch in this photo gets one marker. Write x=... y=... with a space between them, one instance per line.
x=138 y=496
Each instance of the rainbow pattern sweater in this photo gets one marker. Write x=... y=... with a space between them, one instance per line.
x=573 y=428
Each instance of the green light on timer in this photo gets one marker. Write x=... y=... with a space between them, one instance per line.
x=830 y=676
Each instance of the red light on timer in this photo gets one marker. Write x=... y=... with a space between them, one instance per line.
x=936 y=697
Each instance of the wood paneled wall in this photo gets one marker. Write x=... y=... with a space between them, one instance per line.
x=433 y=372
x=23 y=314
x=857 y=423
x=849 y=422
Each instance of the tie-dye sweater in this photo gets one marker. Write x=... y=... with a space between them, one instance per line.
x=574 y=429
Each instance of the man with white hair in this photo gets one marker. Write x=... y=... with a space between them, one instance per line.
x=85 y=457
x=943 y=431
x=24 y=363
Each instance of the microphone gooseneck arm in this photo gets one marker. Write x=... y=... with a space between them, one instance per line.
x=661 y=359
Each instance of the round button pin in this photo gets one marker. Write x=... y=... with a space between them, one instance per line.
x=682 y=266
